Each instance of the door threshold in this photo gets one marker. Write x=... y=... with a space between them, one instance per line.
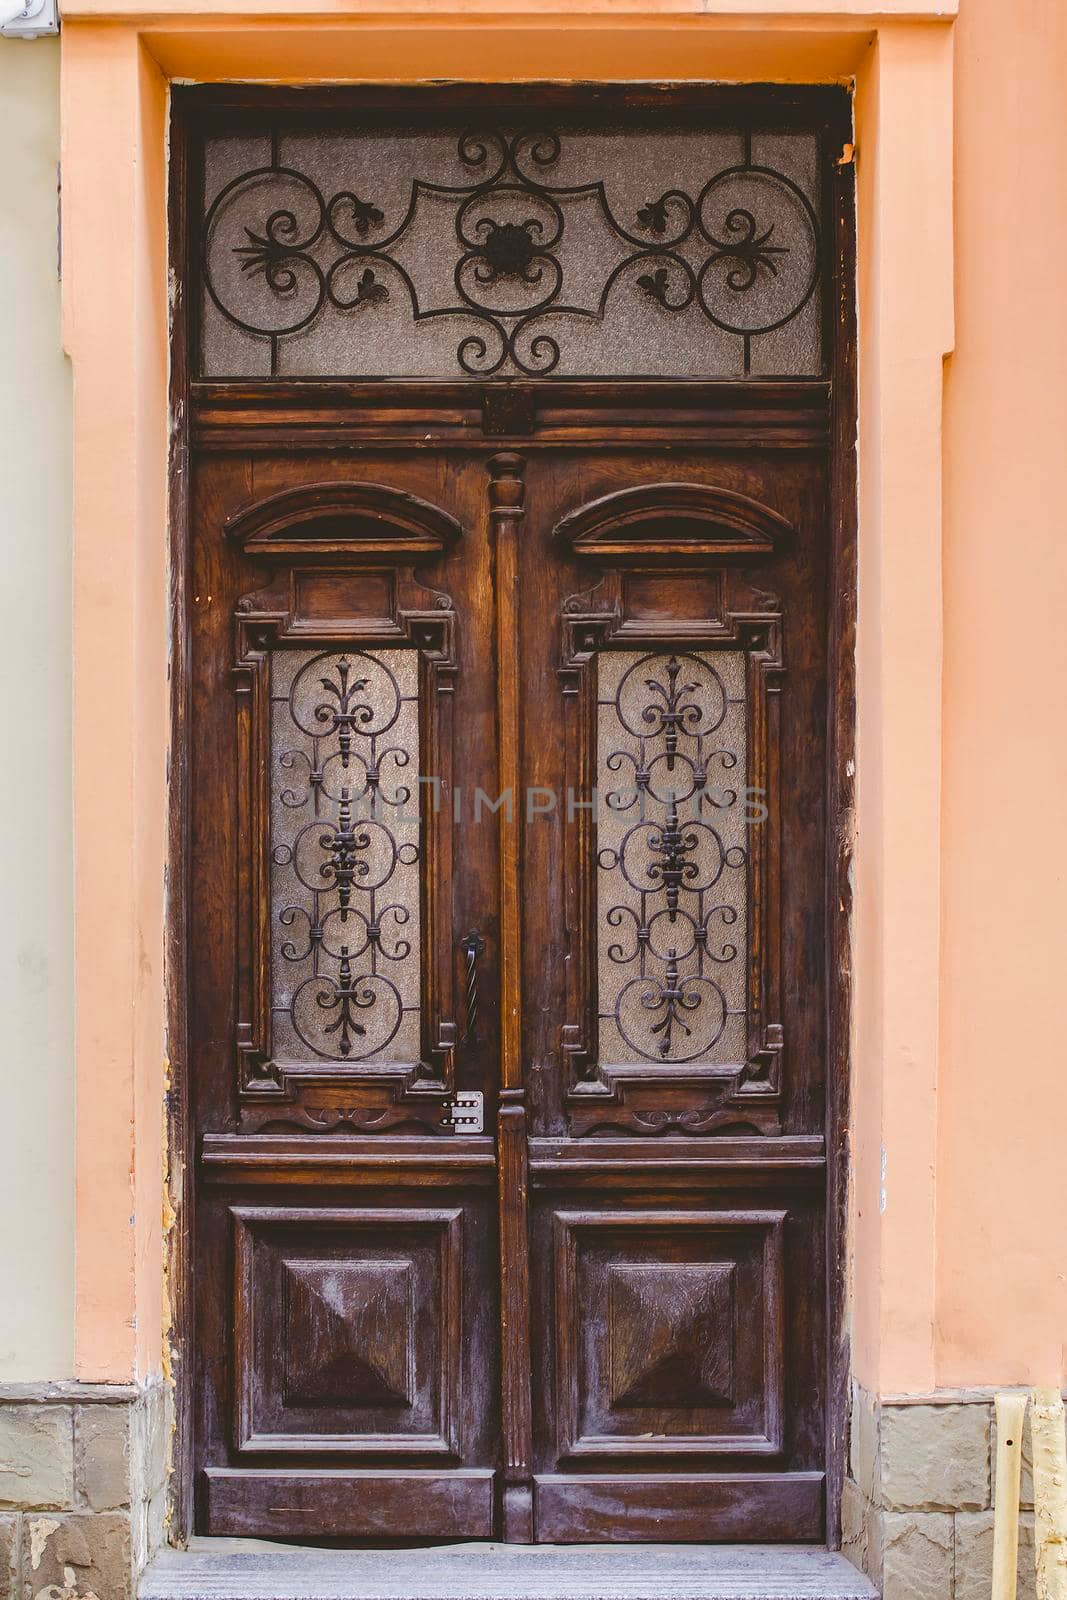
x=256 y=1569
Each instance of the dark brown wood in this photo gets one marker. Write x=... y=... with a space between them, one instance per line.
x=652 y=1290
x=354 y=1505
x=841 y=811
x=699 y=1507
x=179 y=1184
x=506 y=511
x=398 y=1330
x=675 y=1161
x=643 y=1285
x=634 y=605
x=799 y=106
x=360 y=602
x=339 y=518
x=294 y=1282
x=343 y=416
x=507 y=514
x=679 y=525
x=371 y=1337
x=345 y=1159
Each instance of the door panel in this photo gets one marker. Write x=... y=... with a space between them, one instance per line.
x=371 y=1505
x=668 y=1333
x=366 y=1352
x=674 y=1003
x=648 y=911
x=342 y=652
x=743 y=1507
x=507 y=828
x=650 y=604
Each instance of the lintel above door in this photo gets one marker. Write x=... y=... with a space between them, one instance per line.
x=268 y=415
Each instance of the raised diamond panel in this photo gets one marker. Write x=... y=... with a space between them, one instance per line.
x=348 y=1328
x=350 y=1335
x=671 y=1334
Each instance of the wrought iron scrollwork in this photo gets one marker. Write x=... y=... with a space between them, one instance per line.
x=742 y=249
x=344 y=882
x=672 y=899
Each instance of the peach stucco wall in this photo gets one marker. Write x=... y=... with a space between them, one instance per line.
x=956 y=1259
x=1002 y=1122
x=115 y=331
x=904 y=178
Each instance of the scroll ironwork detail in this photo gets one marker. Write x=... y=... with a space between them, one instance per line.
x=671 y=899
x=344 y=855
x=523 y=249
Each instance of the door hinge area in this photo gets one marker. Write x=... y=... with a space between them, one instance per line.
x=466 y=1111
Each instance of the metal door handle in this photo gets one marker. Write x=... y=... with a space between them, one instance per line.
x=473 y=945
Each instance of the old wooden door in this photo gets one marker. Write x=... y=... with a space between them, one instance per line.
x=511 y=541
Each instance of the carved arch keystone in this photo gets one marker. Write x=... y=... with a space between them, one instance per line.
x=675 y=521
x=342 y=518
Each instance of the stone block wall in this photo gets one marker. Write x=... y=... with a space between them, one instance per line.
x=917 y=1514
x=83 y=1471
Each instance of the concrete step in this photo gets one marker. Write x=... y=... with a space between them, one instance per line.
x=247 y=1569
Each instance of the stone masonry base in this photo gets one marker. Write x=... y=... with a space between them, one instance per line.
x=82 y=1488
x=917 y=1514
x=83 y=1492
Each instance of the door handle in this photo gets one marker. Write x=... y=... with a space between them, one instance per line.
x=472 y=947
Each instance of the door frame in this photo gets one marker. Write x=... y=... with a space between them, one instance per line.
x=191 y=110
x=116 y=73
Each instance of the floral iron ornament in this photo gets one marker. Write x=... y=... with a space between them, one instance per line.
x=742 y=249
x=672 y=864
x=344 y=855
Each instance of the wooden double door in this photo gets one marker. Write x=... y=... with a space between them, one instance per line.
x=507 y=991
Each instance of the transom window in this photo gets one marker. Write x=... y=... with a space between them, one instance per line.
x=502 y=250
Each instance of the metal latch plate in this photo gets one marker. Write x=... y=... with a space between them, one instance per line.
x=466 y=1111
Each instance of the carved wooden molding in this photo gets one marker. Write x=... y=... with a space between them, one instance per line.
x=694 y=1098
x=353 y=1384
x=651 y=1307
x=366 y=1095
x=507 y=501
x=342 y=518
x=676 y=521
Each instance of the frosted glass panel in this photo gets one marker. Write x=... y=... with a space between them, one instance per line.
x=344 y=855
x=671 y=857
x=579 y=252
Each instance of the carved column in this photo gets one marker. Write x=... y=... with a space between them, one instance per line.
x=506 y=513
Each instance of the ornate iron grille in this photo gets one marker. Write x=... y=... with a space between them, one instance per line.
x=672 y=880
x=344 y=854
x=501 y=252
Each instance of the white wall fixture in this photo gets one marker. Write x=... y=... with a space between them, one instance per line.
x=28 y=19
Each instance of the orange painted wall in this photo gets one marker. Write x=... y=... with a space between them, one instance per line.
x=904 y=193
x=955 y=1256
x=1002 y=1112
x=115 y=332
